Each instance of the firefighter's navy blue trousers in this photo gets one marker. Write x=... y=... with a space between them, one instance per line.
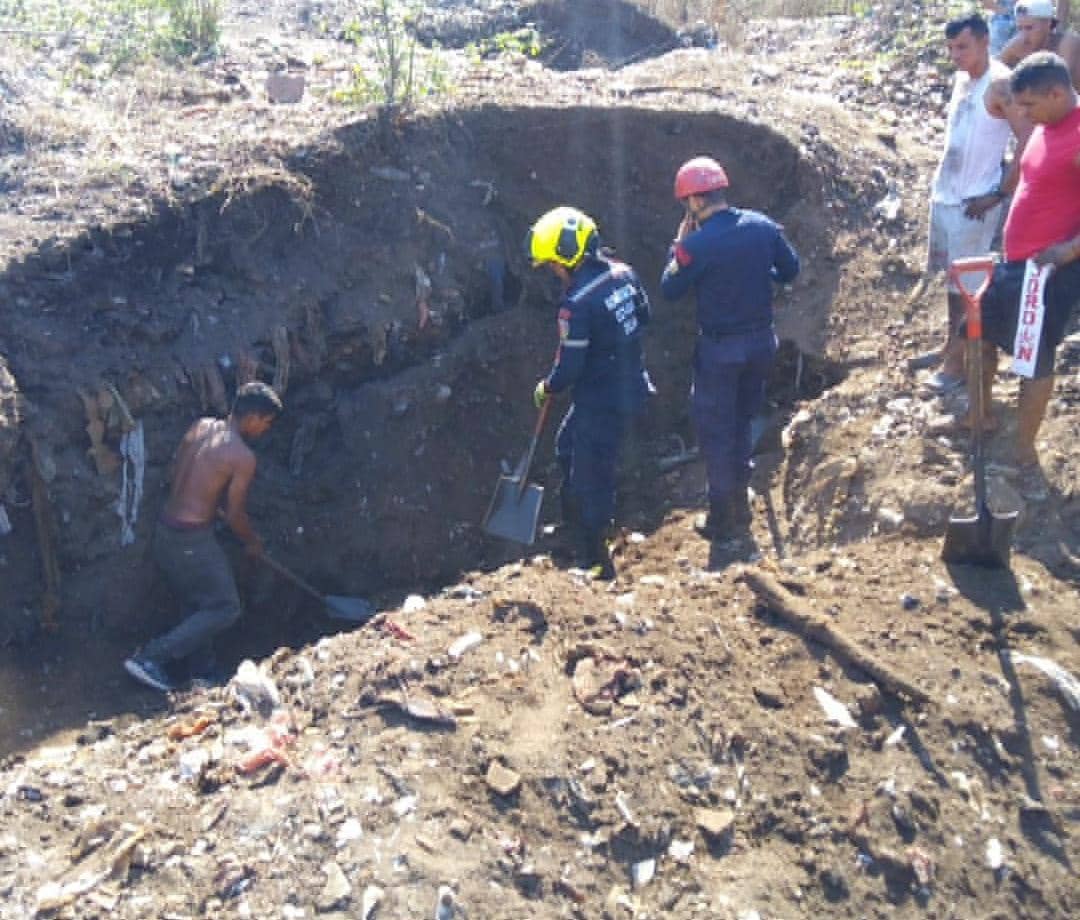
x=587 y=448
x=730 y=373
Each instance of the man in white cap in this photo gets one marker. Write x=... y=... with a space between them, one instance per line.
x=1041 y=27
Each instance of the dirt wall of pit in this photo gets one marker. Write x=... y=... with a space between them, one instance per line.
x=378 y=280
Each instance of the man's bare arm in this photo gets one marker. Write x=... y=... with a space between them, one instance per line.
x=1069 y=49
x=236 y=503
x=1013 y=52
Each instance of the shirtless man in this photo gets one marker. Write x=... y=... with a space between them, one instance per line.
x=1041 y=27
x=212 y=471
x=1037 y=29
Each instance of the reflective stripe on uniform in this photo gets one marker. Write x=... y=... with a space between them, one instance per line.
x=617 y=270
x=575 y=343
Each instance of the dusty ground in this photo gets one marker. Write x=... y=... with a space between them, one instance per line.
x=170 y=232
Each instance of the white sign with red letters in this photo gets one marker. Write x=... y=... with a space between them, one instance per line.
x=1030 y=321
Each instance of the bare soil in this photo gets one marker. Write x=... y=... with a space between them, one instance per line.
x=168 y=234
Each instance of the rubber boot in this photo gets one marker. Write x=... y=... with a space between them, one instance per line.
x=718 y=524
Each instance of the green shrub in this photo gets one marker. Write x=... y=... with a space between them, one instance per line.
x=402 y=70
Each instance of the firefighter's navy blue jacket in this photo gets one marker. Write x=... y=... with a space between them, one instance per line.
x=600 y=321
x=731 y=262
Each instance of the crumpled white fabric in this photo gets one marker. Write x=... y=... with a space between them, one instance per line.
x=133 y=454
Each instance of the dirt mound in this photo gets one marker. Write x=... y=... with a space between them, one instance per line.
x=606 y=33
x=553 y=748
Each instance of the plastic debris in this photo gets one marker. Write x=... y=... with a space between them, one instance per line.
x=182 y=730
x=643 y=872
x=995 y=855
x=413 y=603
x=444 y=907
x=460 y=646
x=681 y=850
x=254 y=688
x=373 y=896
x=896 y=736
x=835 y=711
x=1068 y=685
x=133 y=468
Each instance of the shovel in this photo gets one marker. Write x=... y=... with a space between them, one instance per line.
x=353 y=609
x=986 y=538
x=515 y=506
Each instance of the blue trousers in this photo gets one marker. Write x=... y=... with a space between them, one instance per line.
x=587 y=448
x=730 y=374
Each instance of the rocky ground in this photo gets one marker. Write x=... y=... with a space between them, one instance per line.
x=829 y=723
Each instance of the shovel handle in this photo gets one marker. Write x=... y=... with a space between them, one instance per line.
x=526 y=461
x=292 y=576
x=983 y=265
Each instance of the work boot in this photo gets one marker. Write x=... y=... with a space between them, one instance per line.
x=594 y=556
x=718 y=524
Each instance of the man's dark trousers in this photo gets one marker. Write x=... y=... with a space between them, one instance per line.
x=730 y=373
x=197 y=569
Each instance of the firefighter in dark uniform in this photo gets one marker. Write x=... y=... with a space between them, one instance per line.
x=730 y=257
x=601 y=315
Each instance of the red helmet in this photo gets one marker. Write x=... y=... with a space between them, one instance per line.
x=699 y=175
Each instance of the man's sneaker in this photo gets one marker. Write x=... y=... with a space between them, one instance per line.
x=149 y=672
x=942 y=383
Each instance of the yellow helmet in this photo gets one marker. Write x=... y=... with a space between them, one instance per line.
x=563 y=235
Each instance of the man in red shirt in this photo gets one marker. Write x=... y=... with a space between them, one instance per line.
x=1043 y=227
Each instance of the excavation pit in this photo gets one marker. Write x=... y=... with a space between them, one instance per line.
x=377 y=278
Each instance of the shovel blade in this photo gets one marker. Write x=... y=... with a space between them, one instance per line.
x=514 y=511
x=984 y=540
x=353 y=609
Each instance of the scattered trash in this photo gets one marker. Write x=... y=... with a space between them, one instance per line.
x=413 y=603
x=181 y=730
x=995 y=855
x=643 y=872
x=132 y=471
x=896 y=736
x=255 y=689
x=369 y=903
x=444 y=906
x=681 y=850
x=835 y=711
x=624 y=808
x=1068 y=685
x=192 y=763
x=460 y=646
x=350 y=831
